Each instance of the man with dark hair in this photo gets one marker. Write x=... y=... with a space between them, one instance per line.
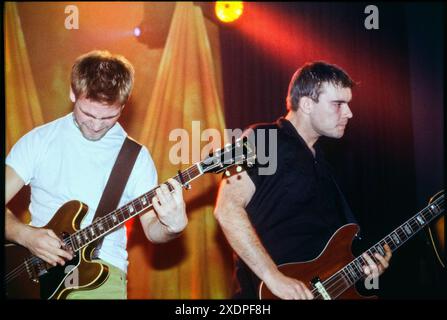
x=290 y=215
x=72 y=157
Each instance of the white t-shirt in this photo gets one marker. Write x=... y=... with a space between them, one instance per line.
x=61 y=165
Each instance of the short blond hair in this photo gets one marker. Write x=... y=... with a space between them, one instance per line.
x=100 y=76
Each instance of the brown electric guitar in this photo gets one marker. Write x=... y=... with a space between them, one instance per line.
x=436 y=234
x=334 y=272
x=29 y=277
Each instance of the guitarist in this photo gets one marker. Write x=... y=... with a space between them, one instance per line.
x=290 y=214
x=72 y=157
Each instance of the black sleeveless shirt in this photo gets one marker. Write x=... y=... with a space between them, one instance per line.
x=296 y=210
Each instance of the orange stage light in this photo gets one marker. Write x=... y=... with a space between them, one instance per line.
x=229 y=11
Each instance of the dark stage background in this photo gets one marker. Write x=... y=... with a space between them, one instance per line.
x=390 y=161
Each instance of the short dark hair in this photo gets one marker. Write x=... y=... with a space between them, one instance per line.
x=102 y=77
x=308 y=80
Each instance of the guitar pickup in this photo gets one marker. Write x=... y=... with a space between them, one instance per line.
x=316 y=282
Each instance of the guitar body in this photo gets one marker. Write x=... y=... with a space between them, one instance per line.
x=30 y=277
x=334 y=256
x=436 y=233
x=48 y=282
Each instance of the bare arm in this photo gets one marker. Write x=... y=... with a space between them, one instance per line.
x=41 y=242
x=169 y=219
x=13 y=227
x=234 y=194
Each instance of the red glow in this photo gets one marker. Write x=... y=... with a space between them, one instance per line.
x=276 y=33
x=289 y=38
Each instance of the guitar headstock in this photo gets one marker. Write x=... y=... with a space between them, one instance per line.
x=237 y=154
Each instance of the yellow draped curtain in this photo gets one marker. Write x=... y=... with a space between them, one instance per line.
x=198 y=264
x=185 y=91
x=23 y=110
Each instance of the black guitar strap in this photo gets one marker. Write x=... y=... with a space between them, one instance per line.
x=118 y=178
x=349 y=215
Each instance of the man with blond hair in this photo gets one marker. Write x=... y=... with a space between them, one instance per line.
x=72 y=157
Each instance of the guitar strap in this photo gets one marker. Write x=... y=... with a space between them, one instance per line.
x=117 y=182
x=349 y=215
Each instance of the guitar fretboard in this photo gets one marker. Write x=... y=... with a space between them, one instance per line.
x=353 y=272
x=115 y=219
x=218 y=161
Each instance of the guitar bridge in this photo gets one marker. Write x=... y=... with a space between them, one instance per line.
x=32 y=274
x=35 y=269
x=316 y=282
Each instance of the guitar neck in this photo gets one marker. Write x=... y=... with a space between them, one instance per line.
x=238 y=152
x=408 y=229
x=353 y=272
x=104 y=225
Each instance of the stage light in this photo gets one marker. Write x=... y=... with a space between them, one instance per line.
x=229 y=11
x=137 y=32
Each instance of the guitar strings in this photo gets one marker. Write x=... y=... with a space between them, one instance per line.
x=330 y=283
x=106 y=219
x=335 y=284
x=343 y=277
